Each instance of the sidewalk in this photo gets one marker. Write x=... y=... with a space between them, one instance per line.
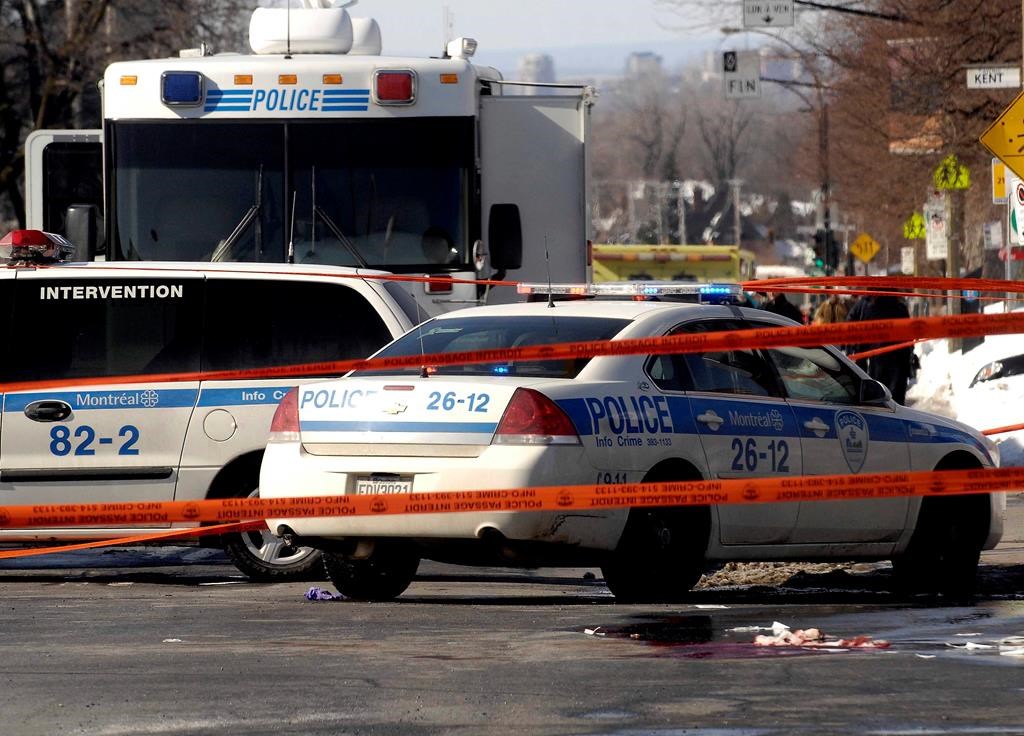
x=1010 y=551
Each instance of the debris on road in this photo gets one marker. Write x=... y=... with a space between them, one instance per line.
x=319 y=594
x=783 y=636
x=594 y=632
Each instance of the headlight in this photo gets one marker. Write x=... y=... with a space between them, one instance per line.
x=988 y=372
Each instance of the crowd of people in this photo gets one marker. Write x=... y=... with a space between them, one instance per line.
x=892 y=368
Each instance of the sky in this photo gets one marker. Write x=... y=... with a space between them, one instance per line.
x=415 y=26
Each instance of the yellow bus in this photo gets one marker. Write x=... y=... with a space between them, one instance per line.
x=699 y=263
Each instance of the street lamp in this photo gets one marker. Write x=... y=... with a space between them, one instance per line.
x=824 y=170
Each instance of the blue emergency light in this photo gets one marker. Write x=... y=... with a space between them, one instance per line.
x=181 y=89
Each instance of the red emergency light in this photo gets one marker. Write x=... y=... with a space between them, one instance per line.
x=34 y=246
x=394 y=86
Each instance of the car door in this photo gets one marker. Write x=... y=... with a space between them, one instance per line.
x=839 y=436
x=746 y=428
x=93 y=442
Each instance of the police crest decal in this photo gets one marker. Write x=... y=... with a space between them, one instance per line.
x=852 y=431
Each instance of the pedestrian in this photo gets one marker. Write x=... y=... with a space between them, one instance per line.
x=833 y=309
x=777 y=303
x=891 y=368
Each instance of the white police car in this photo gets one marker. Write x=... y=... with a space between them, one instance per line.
x=725 y=414
x=162 y=439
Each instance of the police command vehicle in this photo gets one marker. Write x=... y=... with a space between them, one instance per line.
x=726 y=414
x=156 y=439
x=318 y=148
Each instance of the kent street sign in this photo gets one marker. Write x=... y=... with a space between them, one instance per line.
x=993 y=77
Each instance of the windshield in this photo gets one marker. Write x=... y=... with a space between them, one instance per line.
x=490 y=333
x=389 y=194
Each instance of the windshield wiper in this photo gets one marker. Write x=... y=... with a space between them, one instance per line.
x=335 y=230
x=223 y=249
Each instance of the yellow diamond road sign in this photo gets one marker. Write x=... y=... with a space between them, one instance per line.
x=865 y=247
x=1005 y=137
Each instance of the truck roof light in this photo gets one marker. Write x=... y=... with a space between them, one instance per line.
x=32 y=247
x=287 y=79
x=639 y=290
x=394 y=86
x=460 y=48
x=181 y=89
x=129 y=80
x=333 y=79
x=243 y=79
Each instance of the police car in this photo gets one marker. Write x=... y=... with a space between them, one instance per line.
x=738 y=413
x=161 y=439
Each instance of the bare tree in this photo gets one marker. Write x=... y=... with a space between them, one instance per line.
x=54 y=51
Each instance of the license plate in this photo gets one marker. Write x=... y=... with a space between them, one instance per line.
x=371 y=486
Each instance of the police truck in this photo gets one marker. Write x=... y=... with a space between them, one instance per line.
x=316 y=149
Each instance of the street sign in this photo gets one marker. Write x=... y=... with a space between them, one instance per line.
x=998 y=182
x=865 y=247
x=913 y=228
x=936 y=242
x=951 y=174
x=767 y=13
x=907 y=260
x=741 y=71
x=1005 y=137
x=993 y=77
x=1016 y=194
x=993 y=235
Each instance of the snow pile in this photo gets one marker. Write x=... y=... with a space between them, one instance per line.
x=943 y=386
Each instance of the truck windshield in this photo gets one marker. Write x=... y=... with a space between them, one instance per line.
x=456 y=335
x=389 y=194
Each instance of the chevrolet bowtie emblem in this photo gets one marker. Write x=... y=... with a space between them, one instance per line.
x=396 y=408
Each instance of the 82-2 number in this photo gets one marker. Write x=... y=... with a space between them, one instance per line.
x=748 y=455
x=61 y=443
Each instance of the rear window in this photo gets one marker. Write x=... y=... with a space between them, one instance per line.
x=490 y=333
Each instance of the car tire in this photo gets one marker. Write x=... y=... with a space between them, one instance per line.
x=265 y=558
x=944 y=551
x=383 y=576
x=660 y=556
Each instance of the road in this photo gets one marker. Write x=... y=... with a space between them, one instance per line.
x=196 y=649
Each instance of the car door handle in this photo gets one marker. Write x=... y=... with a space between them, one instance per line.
x=48 y=411
x=816 y=425
x=711 y=419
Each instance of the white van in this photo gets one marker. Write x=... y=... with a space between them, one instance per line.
x=160 y=440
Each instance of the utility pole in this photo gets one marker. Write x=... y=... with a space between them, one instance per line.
x=681 y=211
x=736 y=223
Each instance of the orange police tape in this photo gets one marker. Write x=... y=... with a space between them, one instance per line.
x=840 y=333
x=538 y=498
x=163 y=536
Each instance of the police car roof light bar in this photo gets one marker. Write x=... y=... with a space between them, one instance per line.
x=34 y=247
x=704 y=293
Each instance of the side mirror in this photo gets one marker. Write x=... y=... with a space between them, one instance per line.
x=505 y=237
x=83 y=227
x=873 y=392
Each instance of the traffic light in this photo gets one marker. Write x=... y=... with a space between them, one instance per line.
x=831 y=252
x=826 y=251
x=820 y=252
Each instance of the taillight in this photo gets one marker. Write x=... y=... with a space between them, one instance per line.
x=285 y=425
x=395 y=87
x=531 y=418
x=439 y=285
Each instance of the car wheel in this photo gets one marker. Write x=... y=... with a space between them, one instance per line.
x=383 y=576
x=660 y=556
x=943 y=553
x=266 y=558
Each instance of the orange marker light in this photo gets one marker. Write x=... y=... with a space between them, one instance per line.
x=333 y=79
x=243 y=79
x=129 y=80
x=287 y=79
x=449 y=79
